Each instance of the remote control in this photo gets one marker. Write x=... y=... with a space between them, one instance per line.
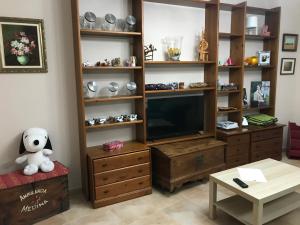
x=240 y=183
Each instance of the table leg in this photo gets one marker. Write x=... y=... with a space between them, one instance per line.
x=257 y=213
x=212 y=199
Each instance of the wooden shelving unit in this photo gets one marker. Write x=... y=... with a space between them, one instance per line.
x=237 y=40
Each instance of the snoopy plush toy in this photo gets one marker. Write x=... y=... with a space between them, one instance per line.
x=36 y=143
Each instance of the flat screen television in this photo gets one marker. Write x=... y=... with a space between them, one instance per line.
x=173 y=116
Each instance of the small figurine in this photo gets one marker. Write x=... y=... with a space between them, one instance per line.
x=105 y=63
x=149 y=50
x=265 y=31
x=119 y=119
x=181 y=85
x=98 y=64
x=229 y=62
x=203 y=47
x=90 y=122
x=100 y=120
x=131 y=62
x=86 y=64
x=198 y=85
x=133 y=117
x=116 y=62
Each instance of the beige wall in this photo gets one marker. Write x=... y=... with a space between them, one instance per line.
x=49 y=100
x=42 y=100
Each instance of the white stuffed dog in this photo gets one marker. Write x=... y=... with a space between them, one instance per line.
x=36 y=143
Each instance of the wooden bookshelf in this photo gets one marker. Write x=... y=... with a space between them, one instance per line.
x=229 y=67
x=229 y=35
x=224 y=93
x=259 y=37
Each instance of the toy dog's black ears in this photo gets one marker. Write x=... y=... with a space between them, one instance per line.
x=48 y=144
x=22 y=146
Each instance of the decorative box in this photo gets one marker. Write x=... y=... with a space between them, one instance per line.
x=114 y=145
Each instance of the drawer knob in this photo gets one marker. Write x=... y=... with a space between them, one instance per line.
x=105 y=179
x=104 y=165
x=140 y=171
x=106 y=191
x=140 y=158
x=140 y=183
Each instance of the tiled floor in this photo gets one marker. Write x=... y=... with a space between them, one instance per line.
x=186 y=207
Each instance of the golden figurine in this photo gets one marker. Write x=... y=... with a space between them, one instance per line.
x=203 y=47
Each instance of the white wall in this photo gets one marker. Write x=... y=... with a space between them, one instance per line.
x=42 y=100
x=49 y=100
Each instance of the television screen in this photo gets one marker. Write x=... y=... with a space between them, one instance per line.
x=174 y=116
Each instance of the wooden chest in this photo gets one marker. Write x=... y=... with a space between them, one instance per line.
x=182 y=162
x=29 y=199
x=237 y=149
x=119 y=175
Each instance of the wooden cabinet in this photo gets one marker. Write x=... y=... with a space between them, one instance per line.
x=252 y=144
x=178 y=163
x=120 y=175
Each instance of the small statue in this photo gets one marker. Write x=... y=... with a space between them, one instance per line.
x=105 y=63
x=229 y=62
x=203 y=47
x=116 y=62
x=149 y=50
x=265 y=31
x=86 y=64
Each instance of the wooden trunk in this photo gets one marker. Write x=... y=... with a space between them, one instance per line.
x=30 y=203
x=179 y=163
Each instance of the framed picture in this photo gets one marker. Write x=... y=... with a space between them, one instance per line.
x=22 y=46
x=260 y=94
x=288 y=66
x=264 y=58
x=290 y=42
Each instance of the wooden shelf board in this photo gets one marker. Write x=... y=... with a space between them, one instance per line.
x=251 y=109
x=222 y=93
x=259 y=37
x=148 y=63
x=257 y=10
x=99 y=69
x=229 y=111
x=259 y=67
x=186 y=90
x=110 y=99
x=191 y=3
x=242 y=210
x=229 y=35
x=229 y=67
x=179 y=139
x=108 y=125
x=100 y=33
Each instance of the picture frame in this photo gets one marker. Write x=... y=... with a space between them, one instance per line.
x=22 y=45
x=288 y=66
x=290 y=42
x=264 y=58
x=260 y=94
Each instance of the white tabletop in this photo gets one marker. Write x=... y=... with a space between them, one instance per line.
x=281 y=178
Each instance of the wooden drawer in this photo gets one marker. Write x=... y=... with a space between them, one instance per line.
x=190 y=164
x=268 y=146
x=234 y=150
x=237 y=159
x=238 y=139
x=267 y=134
x=117 y=162
x=121 y=174
x=112 y=190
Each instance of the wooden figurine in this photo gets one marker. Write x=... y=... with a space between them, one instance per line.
x=203 y=47
x=149 y=50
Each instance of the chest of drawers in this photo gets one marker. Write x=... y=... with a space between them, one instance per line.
x=120 y=175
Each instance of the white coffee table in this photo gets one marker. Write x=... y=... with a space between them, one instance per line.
x=261 y=202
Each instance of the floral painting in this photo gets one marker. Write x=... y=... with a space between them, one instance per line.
x=22 y=45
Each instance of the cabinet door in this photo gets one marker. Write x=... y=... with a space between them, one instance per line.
x=267 y=149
